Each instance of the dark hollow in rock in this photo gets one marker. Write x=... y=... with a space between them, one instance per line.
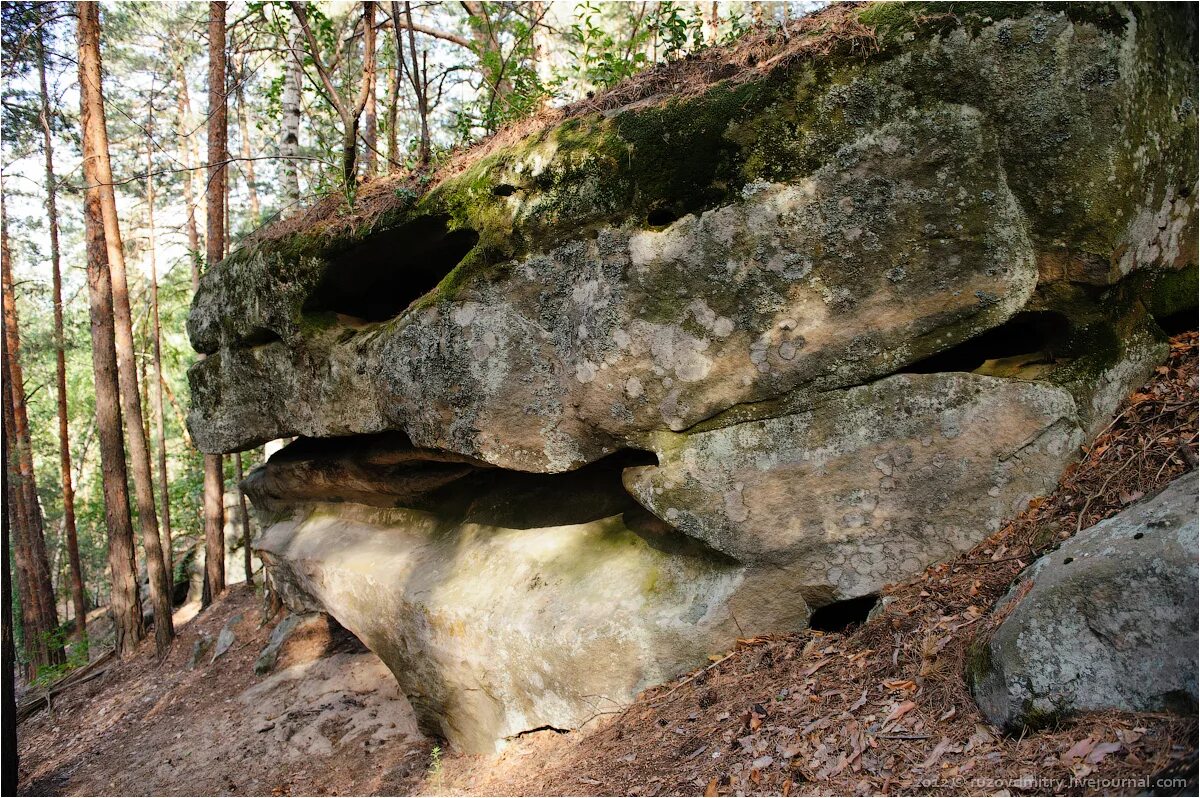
x=1180 y=322
x=380 y=277
x=841 y=615
x=1044 y=331
x=260 y=336
x=661 y=217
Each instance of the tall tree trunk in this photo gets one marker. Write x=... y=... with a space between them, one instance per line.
x=11 y=759
x=124 y=603
x=247 y=150
x=416 y=78
x=289 y=135
x=184 y=110
x=60 y=356
x=393 y=115
x=245 y=521
x=14 y=509
x=43 y=607
x=370 y=70
x=127 y=373
x=218 y=131
x=156 y=396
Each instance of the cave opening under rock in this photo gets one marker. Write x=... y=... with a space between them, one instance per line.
x=378 y=278
x=841 y=615
x=1044 y=331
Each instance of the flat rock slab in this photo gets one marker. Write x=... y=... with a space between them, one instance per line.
x=1108 y=621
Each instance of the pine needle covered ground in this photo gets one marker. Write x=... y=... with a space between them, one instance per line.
x=884 y=707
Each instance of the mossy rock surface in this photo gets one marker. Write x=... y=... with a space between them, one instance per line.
x=825 y=222
x=853 y=306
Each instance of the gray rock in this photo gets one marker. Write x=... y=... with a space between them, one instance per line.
x=280 y=635
x=227 y=637
x=1108 y=621
x=525 y=601
x=848 y=227
x=199 y=649
x=868 y=486
x=777 y=286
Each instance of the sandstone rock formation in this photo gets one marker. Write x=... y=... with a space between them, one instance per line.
x=619 y=391
x=1108 y=621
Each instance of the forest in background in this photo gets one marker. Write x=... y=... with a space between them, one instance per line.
x=316 y=99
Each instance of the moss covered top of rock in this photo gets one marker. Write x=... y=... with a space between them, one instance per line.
x=691 y=135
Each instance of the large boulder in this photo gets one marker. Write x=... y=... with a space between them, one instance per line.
x=1107 y=621
x=522 y=601
x=867 y=487
x=609 y=393
x=807 y=227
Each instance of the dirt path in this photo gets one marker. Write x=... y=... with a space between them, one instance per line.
x=329 y=720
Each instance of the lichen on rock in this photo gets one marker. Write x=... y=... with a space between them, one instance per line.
x=819 y=324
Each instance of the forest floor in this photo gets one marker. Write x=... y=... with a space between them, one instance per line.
x=880 y=707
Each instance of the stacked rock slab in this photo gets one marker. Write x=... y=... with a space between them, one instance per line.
x=653 y=378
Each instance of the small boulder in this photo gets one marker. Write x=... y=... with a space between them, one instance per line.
x=281 y=634
x=227 y=637
x=1108 y=621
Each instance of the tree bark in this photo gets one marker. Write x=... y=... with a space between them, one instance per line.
x=60 y=357
x=156 y=395
x=14 y=509
x=393 y=114
x=370 y=68
x=218 y=131
x=245 y=521
x=11 y=759
x=289 y=134
x=127 y=372
x=43 y=607
x=184 y=110
x=124 y=603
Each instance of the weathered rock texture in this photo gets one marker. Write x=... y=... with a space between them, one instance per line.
x=1108 y=621
x=853 y=310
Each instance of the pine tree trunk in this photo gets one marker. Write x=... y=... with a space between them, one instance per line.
x=10 y=763
x=184 y=110
x=245 y=522
x=124 y=602
x=370 y=68
x=64 y=441
x=156 y=396
x=218 y=126
x=127 y=374
x=393 y=113
x=14 y=510
x=43 y=607
x=289 y=143
x=247 y=150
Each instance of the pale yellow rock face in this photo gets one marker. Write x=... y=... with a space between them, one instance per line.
x=492 y=631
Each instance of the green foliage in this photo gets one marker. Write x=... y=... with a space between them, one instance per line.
x=604 y=56
x=77 y=657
